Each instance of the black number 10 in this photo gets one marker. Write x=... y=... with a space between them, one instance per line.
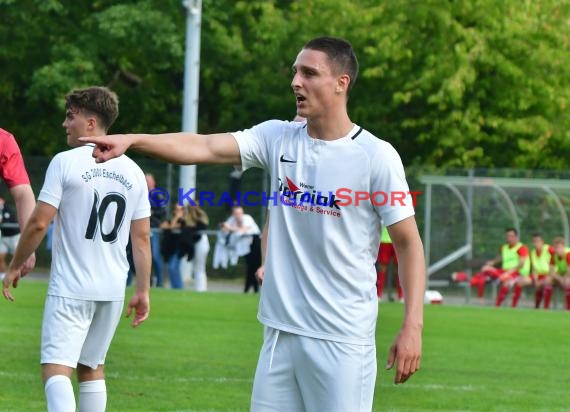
x=98 y=213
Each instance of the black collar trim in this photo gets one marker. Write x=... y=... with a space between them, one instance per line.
x=356 y=134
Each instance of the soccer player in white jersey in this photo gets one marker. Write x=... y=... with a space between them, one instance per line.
x=96 y=208
x=318 y=302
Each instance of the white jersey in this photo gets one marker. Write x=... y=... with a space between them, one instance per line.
x=95 y=205
x=320 y=279
x=247 y=221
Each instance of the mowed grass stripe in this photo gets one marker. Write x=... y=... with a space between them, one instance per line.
x=198 y=352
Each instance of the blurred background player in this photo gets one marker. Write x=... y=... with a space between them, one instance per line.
x=387 y=253
x=560 y=267
x=513 y=257
x=540 y=257
x=95 y=210
x=243 y=224
x=514 y=262
x=15 y=176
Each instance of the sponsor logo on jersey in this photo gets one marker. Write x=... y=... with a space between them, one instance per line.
x=306 y=195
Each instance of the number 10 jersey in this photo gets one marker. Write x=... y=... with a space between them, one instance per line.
x=95 y=206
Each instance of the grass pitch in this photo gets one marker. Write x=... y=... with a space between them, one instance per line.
x=198 y=352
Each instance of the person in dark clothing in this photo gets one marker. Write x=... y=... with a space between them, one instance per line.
x=171 y=246
x=157 y=216
x=252 y=263
x=10 y=233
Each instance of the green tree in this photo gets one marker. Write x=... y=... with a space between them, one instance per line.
x=453 y=84
x=54 y=46
x=473 y=83
x=461 y=83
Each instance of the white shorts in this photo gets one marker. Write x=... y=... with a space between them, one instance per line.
x=298 y=373
x=8 y=244
x=78 y=331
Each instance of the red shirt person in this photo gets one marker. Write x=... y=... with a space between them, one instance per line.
x=15 y=176
x=540 y=258
x=386 y=253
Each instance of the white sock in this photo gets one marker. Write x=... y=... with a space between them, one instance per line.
x=59 y=394
x=92 y=396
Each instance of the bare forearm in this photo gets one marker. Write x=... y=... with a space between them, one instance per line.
x=29 y=241
x=411 y=268
x=166 y=147
x=188 y=148
x=142 y=261
x=412 y=273
x=25 y=203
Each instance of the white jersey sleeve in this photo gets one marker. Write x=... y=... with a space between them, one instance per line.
x=250 y=223
x=389 y=190
x=255 y=143
x=52 y=190
x=142 y=205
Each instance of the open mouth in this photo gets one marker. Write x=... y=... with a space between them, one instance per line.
x=300 y=98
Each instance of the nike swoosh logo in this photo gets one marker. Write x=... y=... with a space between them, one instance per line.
x=282 y=159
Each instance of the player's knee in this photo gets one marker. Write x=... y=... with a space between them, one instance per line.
x=86 y=373
x=52 y=369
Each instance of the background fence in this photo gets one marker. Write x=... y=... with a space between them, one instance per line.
x=471 y=209
x=535 y=209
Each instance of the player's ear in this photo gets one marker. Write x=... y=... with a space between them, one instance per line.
x=342 y=83
x=91 y=123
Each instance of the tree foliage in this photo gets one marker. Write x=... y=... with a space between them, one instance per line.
x=136 y=48
x=460 y=83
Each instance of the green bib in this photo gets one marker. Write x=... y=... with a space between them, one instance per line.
x=541 y=264
x=510 y=259
x=560 y=263
x=385 y=238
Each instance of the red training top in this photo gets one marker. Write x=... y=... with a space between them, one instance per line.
x=12 y=166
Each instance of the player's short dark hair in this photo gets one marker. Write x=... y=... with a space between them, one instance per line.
x=558 y=240
x=97 y=101
x=512 y=229
x=340 y=53
x=538 y=234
